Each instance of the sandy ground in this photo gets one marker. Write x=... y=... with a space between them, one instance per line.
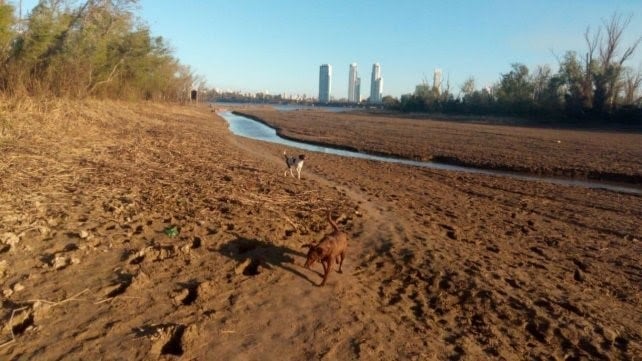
x=147 y=232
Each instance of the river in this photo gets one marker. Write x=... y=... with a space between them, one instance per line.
x=249 y=128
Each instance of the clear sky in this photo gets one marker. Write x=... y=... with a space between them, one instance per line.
x=278 y=46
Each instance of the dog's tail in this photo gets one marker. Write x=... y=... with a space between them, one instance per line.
x=332 y=223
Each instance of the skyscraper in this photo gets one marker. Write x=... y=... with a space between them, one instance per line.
x=352 y=83
x=325 y=82
x=436 y=80
x=357 y=91
x=376 y=84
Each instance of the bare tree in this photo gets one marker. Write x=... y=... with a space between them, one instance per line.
x=586 y=86
x=611 y=62
x=540 y=79
x=631 y=87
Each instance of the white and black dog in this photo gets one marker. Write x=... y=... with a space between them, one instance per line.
x=293 y=163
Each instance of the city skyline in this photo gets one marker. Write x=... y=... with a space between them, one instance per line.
x=230 y=44
x=354 y=84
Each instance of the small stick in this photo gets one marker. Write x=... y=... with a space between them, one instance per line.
x=111 y=298
x=72 y=298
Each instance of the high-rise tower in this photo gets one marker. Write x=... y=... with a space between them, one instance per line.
x=376 y=84
x=325 y=83
x=352 y=83
x=436 y=81
x=357 y=91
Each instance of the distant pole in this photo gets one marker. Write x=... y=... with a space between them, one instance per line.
x=20 y=17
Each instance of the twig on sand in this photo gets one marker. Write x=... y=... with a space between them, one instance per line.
x=111 y=298
x=72 y=298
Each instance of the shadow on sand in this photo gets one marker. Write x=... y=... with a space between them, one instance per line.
x=253 y=254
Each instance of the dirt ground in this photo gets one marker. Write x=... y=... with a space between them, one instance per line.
x=149 y=232
x=615 y=156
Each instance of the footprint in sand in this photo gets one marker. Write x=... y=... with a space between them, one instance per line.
x=187 y=294
x=124 y=280
x=168 y=340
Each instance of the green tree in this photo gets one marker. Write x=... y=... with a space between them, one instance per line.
x=468 y=87
x=570 y=81
x=7 y=22
x=515 y=91
x=97 y=48
x=390 y=102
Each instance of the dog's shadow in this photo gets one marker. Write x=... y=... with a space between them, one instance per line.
x=252 y=254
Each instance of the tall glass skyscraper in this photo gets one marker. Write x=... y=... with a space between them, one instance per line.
x=357 y=91
x=352 y=84
x=376 y=84
x=325 y=83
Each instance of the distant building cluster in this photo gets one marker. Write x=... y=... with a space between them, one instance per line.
x=229 y=95
x=354 y=84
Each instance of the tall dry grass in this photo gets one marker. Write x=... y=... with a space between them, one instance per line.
x=21 y=117
x=49 y=145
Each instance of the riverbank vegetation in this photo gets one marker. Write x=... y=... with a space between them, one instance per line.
x=100 y=49
x=93 y=48
x=595 y=84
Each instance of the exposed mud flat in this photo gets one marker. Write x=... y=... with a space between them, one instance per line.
x=145 y=232
x=612 y=156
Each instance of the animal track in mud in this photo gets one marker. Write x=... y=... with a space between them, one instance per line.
x=139 y=229
x=154 y=253
x=252 y=268
x=27 y=320
x=167 y=338
x=538 y=327
x=174 y=345
x=197 y=242
x=136 y=258
x=451 y=232
x=188 y=294
x=124 y=281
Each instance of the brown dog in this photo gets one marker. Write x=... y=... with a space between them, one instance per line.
x=331 y=248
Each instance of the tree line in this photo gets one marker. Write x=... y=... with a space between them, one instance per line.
x=93 y=48
x=596 y=84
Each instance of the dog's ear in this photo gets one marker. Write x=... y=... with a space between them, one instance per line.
x=302 y=156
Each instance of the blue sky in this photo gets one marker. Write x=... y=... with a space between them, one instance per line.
x=258 y=45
